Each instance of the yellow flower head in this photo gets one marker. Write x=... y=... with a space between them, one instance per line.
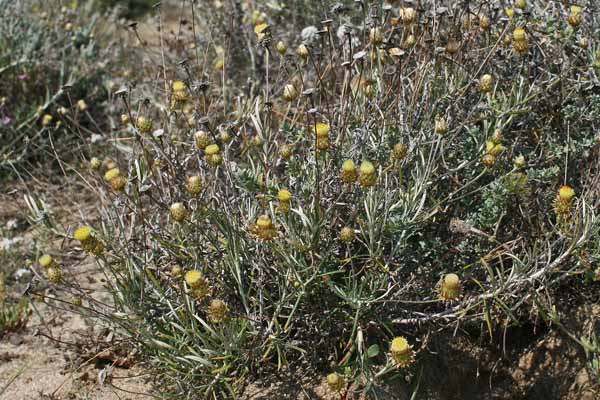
x=367 y=176
x=367 y=168
x=54 y=275
x=485 y=83
x=194 y=278
x=519 y=34
x=566 y=193
x=178 y=86
x=261 y=29
x=112 y=174
x=322 y=129
x=335 y=382
x=46 y=261
x=348 y=173
x=47 y=120
x=281 y=48
x=284 y=195
x=212 y=149
x=402 y=352
x=83 y=233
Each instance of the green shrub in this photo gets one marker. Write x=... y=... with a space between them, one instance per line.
x=454 y=210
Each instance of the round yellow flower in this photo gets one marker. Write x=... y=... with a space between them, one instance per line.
x=284 y=195
x=46 y=261
x=348 y=172
x=335 y=382
x=566 y=193
x=112 y=174
x=83 y=233
x=322 y=129
x=402 y=352
x=367 y=175
x=194 y=279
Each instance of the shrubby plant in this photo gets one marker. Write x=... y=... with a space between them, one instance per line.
x=391 y=169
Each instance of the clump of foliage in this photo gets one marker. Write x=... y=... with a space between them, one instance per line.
x=392 y=169
x=52 y=85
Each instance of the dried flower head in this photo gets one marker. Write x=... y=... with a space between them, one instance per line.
x=144 y=124
x=303 y=51
x=575 y=17
x=408 y=15
x=399 y=152
x=441 y=126
x=286 y=151
x=178 y=211
x=194 y=185
x=452 y=46
x=290 y=93
x=521 y=4
x=176 y=271
x=376 y=36
x=202 y=139
x=450 y=288
x=489 y=160
x=347 y=234
x=485 y=83
x=54 y=275
x=218 y=311
x=264 y=228
x=484 y=22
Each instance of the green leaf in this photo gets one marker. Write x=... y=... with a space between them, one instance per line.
x=373 y=351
